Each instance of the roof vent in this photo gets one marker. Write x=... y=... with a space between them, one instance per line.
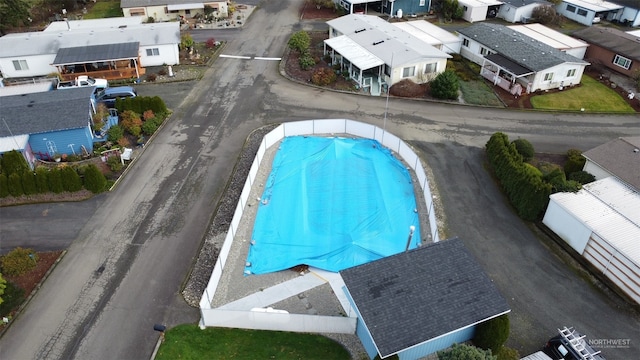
x=636 y=150
x=378 y=42
x=122 y=26
x=360 y=30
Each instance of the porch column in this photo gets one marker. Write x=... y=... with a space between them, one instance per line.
x=135 y=62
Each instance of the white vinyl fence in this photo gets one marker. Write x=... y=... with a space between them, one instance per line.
x=296 y=322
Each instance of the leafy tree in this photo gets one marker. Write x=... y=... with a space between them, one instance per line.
x=131 y=122
x=465 y=352
x=547 y=15
x=13 y=162
x=492 y=334
x=300 y=41
x=12 y=298
x=525 y=149
x=323 y=76
x=13 y=13
x=306 y=61
x=18 y=261
x=186 y=41
x=94 y=180
x=29 y=182
x=451 y=10
x=71 y=181
x=115 y=133
x=445 y=85
x=3 y=285
x=575 y=161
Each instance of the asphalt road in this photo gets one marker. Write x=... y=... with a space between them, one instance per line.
x=131 y=249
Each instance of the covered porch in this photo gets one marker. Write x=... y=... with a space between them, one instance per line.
x=506 y=74
x=111 y=61
x=362 y=66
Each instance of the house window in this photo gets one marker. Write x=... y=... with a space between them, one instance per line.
x=187 y=12
x=621 y=61
x=571 y=73
x=484 y=51
x=548 y=76
x=422 y=2
x=465 y=42
x=582 y=12
x=464 y=8
x=153 y=52
x=571 y=8
x=20 y=65
x=430 y=68
x=409 y=71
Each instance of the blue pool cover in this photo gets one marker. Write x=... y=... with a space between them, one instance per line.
x=332 y=203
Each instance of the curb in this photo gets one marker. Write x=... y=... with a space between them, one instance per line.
x=33 y=293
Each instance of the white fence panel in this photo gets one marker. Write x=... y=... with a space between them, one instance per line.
x=407 y=154
x=273 y=136
x=298 y=128
x=331 y=126
x=362 y=130
x=391 y=141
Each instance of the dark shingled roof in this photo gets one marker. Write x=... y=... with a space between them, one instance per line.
x=83 y=54
x=633 y=4
x=46 y=111
x=618 y=158
x=611 y=39
x=517 y=47
x=415 y=296
x=508 y=64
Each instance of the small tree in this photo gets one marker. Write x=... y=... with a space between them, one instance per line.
x=445 y=85
x=13 y=162
x=465 y=352
x=42 y=180
x=323 y=76
x=18 y=261
x=94 y=181
x=547 y=15
x=71 y=181
x=525 y=149
x=186 y=41
x=300 y=41
x=451 y=10
x=55 y=181
x=3 y=285
x=131 y=122
x=492 y=334
x=115 y=133
x=15 y=185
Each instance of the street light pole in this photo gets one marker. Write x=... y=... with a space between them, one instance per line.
x=411 y=230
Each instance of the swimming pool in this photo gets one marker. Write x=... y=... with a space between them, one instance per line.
x=332 y=203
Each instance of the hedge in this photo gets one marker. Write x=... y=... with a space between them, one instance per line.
x=13 y=162
x=18 y=261
x=94 y=180
x=29 y=182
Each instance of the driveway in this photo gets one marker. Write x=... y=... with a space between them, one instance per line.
x=124 y=270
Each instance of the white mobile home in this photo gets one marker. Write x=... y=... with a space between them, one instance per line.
x=431 y=34
x=515 y=11
x=479 y=10
x=553 y=38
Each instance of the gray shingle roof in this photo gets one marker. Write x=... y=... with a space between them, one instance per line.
x=617 y=157
x=412 y=297
x=612 y=39
x=521 y=3
x=519 y=48
x=133 y=3
x=46 y=111
x=79 y=54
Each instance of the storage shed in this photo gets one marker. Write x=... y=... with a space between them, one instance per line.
x=601 y=222
x=418 y=302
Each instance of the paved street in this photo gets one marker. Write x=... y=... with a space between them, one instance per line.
x=130 y=250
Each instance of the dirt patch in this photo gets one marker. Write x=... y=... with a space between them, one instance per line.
x=31 y=280
x=310 y=12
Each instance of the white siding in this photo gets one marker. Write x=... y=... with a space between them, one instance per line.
x=595 y=170
x=566 y=226
x=167 y=54
x=39 y=65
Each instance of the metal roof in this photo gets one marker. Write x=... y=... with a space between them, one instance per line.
x=385 y=41
x=610 y=209
x=612 y=39
x=427 y=32
x=519 y=48
x=509 y=65
x=93 y=24
x=521 y=3
x=477 y=3
x=138 y=3
x=46 y=111
x=49 y=42
x=358 y=55
x=619 y=158
x=18 y=142
x=416 y=296
x=549 y=36
x=82 y=54
x=594 y=5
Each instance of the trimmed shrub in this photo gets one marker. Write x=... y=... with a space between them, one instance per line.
x=94 y=180
x=42 y=180
x=465 y=352
x=15 y=185
x=115 y=133
x=492 y=334
x=507 y=353
x=71 y=181
x=525 y=149
x=131 y=122
x=445 y=85
x=12 y=298
x=18 y=261
x=575 y=161
x=13 y=163
x=114 y=162
x=29 y=182
x=55 y=181
x=300 y=41
x=306 y=61
x=323 y=76
x=582 y=177
x=4 y=186
x=150 y=126
x=151 y=77
x=210 y=43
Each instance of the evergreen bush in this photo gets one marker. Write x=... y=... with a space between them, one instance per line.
x=55 y=181
x=445 y=85
x=300 y=41
x=115 y=133
x=18 y=261
x=525 y=149
x=492 y=334
x=4 y=185
x=582 y=177
x=465 y=352
x=94 y=180
x=575 y=161
x=71 y=181
x=15 y=185
x=306 y=61
x=13 y=163
x=12 y=298
x=42 y=180
x=29 y=182
x=323 y=76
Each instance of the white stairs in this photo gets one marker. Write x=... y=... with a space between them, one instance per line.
x=577 y=342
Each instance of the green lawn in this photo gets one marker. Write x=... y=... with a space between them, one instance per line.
x=590 y=96
x=189 y=342
x=104 y=9
x=478 y=93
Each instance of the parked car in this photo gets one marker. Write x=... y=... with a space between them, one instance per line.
x=571 y=345
x=108 y=96
x=82 y=81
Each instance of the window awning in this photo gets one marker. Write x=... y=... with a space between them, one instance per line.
x=185 y=6
x=509 y=65
x=95 y=53
x=136 y=11
x=356 y=54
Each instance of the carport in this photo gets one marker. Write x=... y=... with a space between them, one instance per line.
x=109 y=61
x=363 y=67
x=505 y=73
